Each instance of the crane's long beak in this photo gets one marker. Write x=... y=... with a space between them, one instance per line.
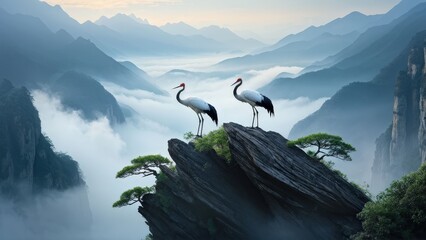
x=176 y=87
x=234 y=83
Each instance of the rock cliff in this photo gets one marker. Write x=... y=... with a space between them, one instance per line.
x=267 y=191
x=28 y=165
x=401 y=149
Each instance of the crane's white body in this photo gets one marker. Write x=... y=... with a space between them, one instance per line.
x=196 y=104
x=200 y=107
x=255 y=99
x=250 y=97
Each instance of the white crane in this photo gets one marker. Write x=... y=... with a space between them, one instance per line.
x=254 y=99
x=199 y=106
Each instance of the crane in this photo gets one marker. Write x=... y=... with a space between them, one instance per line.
x=255 y=99
x=199 y=106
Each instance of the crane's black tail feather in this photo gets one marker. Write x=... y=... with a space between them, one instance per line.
x=212 y=114
x=267 y=104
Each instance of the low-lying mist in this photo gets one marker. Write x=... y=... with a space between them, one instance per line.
x=49 y=216
x=102 y=150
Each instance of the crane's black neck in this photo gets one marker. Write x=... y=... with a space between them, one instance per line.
x=235 y=89
x=178 y=95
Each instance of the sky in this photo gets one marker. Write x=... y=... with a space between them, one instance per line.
x=269 y=20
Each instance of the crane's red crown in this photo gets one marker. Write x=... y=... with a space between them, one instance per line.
x=238 y=81
x=181 y=85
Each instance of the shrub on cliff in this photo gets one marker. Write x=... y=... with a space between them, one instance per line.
x=216 y=140
x=399 y=212
x=144 y=166
x=132 y=196
x=325 y=145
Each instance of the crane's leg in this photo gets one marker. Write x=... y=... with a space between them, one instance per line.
x=254 y=113
x=199 y=123
x=257 y=116
x=202 y=125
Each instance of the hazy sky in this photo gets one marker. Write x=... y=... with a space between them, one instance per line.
x=272 y=19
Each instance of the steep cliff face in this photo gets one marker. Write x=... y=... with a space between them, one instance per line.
x=422 y=131
x=401 y=149
x=267 y=191
x=28 y=165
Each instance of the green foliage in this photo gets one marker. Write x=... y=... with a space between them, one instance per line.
x=399 y=212
x=143 y=166
x=161 y=177
x=216 y=140
x=149 y=237
x=189 y=136
x=132 y=196
x=326 y=146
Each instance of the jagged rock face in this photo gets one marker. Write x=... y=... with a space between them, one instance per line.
x=267 y=191
x=381 y=162
x=405 y=140
x=28 y=164
x=422 y=116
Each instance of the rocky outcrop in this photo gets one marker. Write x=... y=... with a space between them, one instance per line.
x=267 y=191
x=401 y=149
x=28 y=165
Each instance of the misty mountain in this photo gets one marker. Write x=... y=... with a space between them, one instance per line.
x=104 y=19
x=28 y=160
x=29 y=44
x=121 y=35
x=54 y=17
x=180 y=28
x=304 y=48
x=151 y=40
x=353 y=22
x=360 y=112
x=371 y=35
x=362 y=66
x=83 y=93
x=351 y=25
x=298 y=53
x=226 y=36
x=220 y=34
x=42 y=192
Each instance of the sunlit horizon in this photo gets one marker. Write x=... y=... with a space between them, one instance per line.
x=267 y=21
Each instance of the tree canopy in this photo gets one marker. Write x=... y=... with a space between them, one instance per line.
x=325 y=145
x=144 y=166
x=133 y=196
x=399 y=212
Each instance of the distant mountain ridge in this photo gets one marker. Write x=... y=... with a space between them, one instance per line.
x=118 y=40
x=278 y=54
x=360 y=112
x=304 y=48
x=219 y=34
x=373 y=50
x=34 y=57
